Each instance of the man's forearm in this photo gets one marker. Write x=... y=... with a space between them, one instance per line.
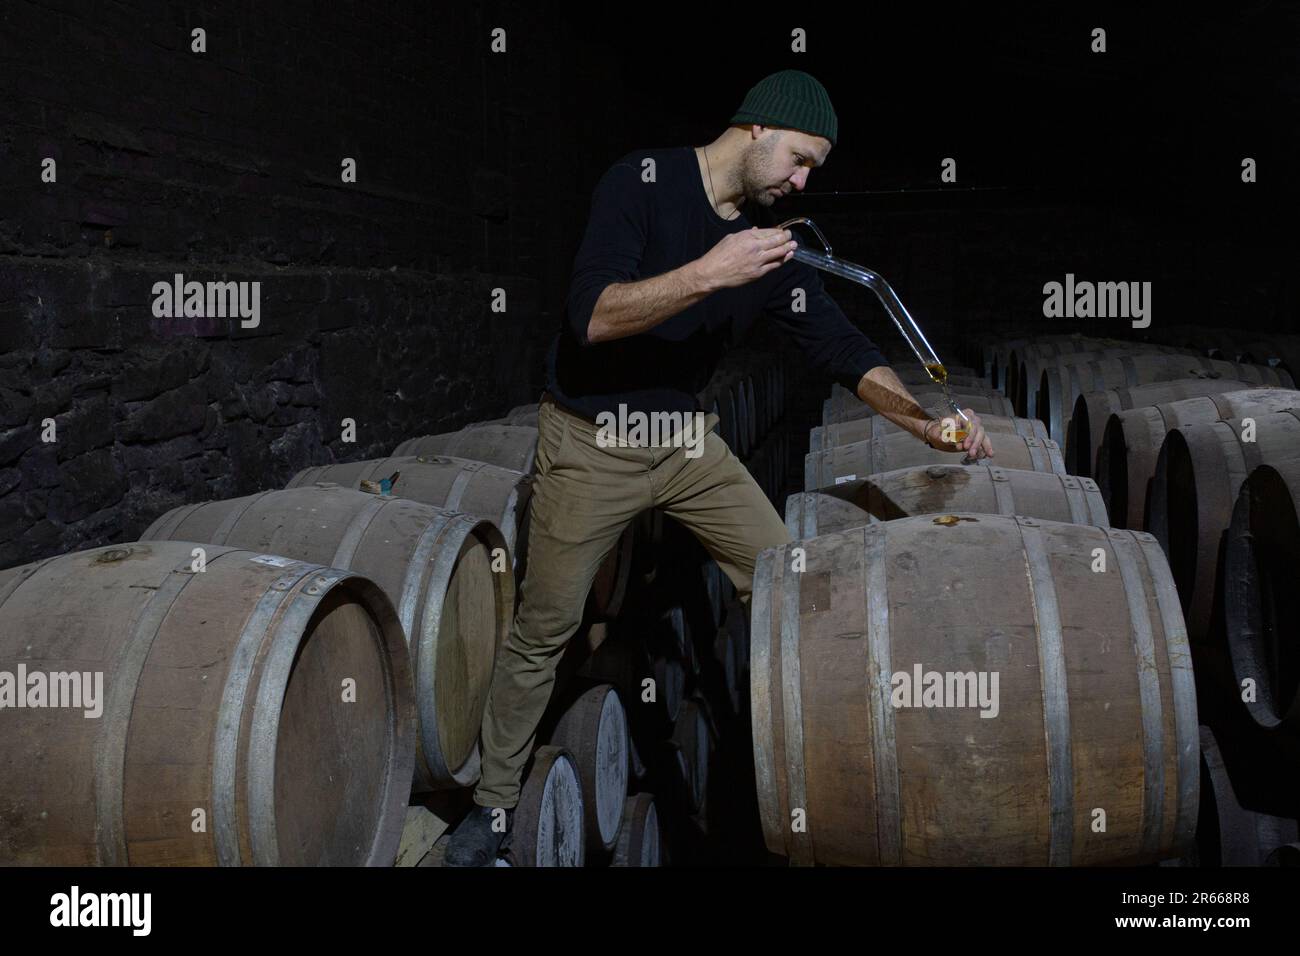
x=626 y=308
x=882 y=390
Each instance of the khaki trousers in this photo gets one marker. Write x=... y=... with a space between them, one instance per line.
x=583 y=497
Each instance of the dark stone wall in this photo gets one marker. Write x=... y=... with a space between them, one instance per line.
x=475 y=172
x=375 y=295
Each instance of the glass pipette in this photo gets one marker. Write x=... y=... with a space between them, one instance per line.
x=902 y=319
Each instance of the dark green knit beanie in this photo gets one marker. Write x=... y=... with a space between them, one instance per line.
x=790 y=98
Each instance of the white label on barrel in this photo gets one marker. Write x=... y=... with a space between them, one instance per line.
x=274 y=561
x=843 y=478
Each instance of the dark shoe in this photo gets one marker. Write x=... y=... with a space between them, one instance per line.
x=474 y=842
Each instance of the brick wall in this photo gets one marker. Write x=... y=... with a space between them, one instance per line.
x=225 y=166
x=475 y=172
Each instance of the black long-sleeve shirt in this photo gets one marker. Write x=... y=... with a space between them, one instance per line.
x=640 y=229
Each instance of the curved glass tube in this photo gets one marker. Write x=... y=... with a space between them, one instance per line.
x=893 y=305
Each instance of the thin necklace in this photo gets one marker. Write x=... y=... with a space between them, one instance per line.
x=713 y=196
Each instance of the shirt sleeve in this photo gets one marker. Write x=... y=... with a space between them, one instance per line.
x=613 y=245
x=833 y=344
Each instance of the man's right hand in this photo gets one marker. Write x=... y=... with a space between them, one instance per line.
x=976 y=444
x=742 y=257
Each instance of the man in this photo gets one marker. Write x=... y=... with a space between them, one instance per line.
x=668 y=274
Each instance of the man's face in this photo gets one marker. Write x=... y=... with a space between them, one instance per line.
x=778 y=162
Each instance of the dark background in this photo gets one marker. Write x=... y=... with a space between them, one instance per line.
x=475 y=172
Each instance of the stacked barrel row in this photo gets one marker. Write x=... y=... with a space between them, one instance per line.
x=338 y=634
x=311 y=657
x=1070 y=694
x=1213 y=475
x=1192 y=438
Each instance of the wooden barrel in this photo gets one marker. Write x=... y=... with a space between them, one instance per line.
x=753 y=461
x=765 y=389
x=1035 y=351
x=498 y=494
x=692 y=735
x=1227 y=834
x=982 y=400
x=738 y=381
x=771 y=410
x=1051 y=347
x=1226 y=345
x=726 y=657
x=782 y=463
x=222 y=697
x=1198 y=475
x=1195 y=337
x=1092 y=410
x=861 y=429
x=669 y=636
x=1288 y=854
x=1004 y=355
x=1031 y=368
x=979 y=352
x=747 y=371
x=651 y=688
x=778 y=453
x=501 y=495
x=996 y=359
x=782 y=376
x=712 y=576
x=771 y=465
x=1261 y=578
x=610 y=584
x=1132 y=439
x=889 y=451
x=939 y=489
x=435 y=566
x=734 y=381
x=637 y=771
x=506 y=446
x=748 y=367
x=1276 y=351
x=638 y=837
x=647 y=547
x=547 y=828
x=1096 y=704
x=593 y=730
x=719 y=399
x=755 y=413
x=1061 y=385
x=736 y=668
